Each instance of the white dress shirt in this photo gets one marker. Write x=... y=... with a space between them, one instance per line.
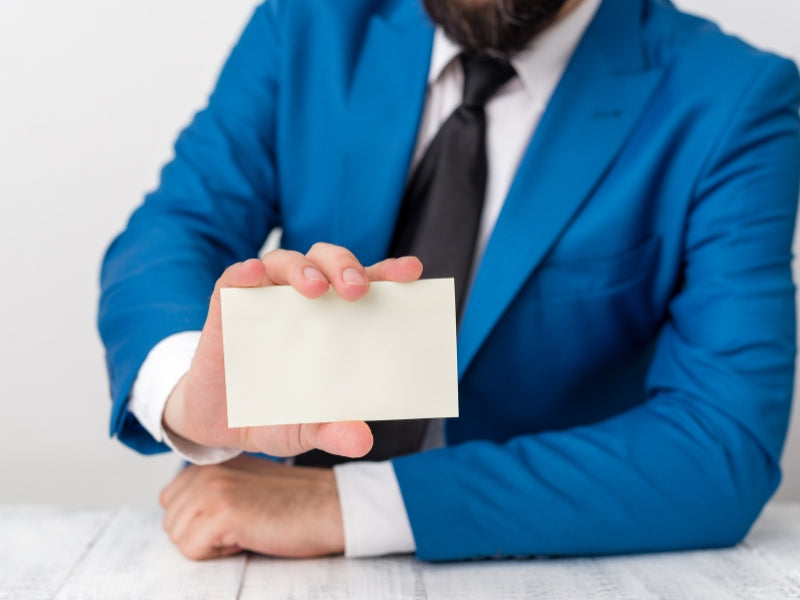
x=374 y=515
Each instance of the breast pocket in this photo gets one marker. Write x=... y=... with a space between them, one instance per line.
x=597 y=275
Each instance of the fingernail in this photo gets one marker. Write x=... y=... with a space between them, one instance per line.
x=353 y=277
x=312 y=274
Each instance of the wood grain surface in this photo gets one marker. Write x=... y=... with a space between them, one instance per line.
x=86 y=554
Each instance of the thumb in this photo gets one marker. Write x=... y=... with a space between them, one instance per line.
x=348 y=438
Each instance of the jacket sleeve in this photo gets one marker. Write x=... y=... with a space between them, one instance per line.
x=215 y=205
x=693 y=465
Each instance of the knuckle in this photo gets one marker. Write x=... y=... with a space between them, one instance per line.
x=191 y=551
x=224 y=508
x=306 y=437
x=285 y=254
x=268 y=256
x=280 y=264
x=319 y=247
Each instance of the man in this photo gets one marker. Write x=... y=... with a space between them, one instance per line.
x=626 y=346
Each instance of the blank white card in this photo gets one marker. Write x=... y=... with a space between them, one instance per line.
x=388 y=355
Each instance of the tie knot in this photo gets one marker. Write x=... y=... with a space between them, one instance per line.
x=483 y=76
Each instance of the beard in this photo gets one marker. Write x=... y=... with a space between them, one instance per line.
x=501 y=27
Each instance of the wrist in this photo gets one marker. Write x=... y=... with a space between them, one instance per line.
x=173 y=417
x=333 y=523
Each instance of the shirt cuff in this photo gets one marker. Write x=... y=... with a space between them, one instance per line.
x=373 y=511
x=167 y=362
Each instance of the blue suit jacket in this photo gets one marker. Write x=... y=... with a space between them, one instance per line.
x=626 y=355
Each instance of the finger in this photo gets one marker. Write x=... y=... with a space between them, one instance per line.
x=351 y=438
x=181 y=515
x=250 y=273
x=209 y=528
x=407 y=268
x=184 y=505
x=200 y=540
x=177 y=515
x=177 y=485
x=285 y=267
x=207 y=552
x=256 y=273
x=347 y=275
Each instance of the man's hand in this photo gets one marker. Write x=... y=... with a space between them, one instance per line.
x=196 y=409
x=253 y=504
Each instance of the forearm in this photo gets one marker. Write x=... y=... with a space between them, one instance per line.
x=666 y=476
x=215 y=205
x=693 y=463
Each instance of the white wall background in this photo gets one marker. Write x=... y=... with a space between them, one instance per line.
x=92 y=93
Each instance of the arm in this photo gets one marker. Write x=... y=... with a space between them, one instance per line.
x=217 y=201
x=689 y=468
x=693 y=466
x=215 y=205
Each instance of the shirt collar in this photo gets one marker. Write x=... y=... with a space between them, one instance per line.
x=541 y=64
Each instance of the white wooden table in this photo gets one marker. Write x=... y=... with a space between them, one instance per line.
x=48 y=552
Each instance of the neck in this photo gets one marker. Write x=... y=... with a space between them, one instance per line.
x=568 y=7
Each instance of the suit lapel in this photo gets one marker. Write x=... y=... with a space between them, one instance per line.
x=592 y=112
x=386 y=95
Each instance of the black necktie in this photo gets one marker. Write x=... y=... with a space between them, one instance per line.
x=438 y=222
x=442 y=206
